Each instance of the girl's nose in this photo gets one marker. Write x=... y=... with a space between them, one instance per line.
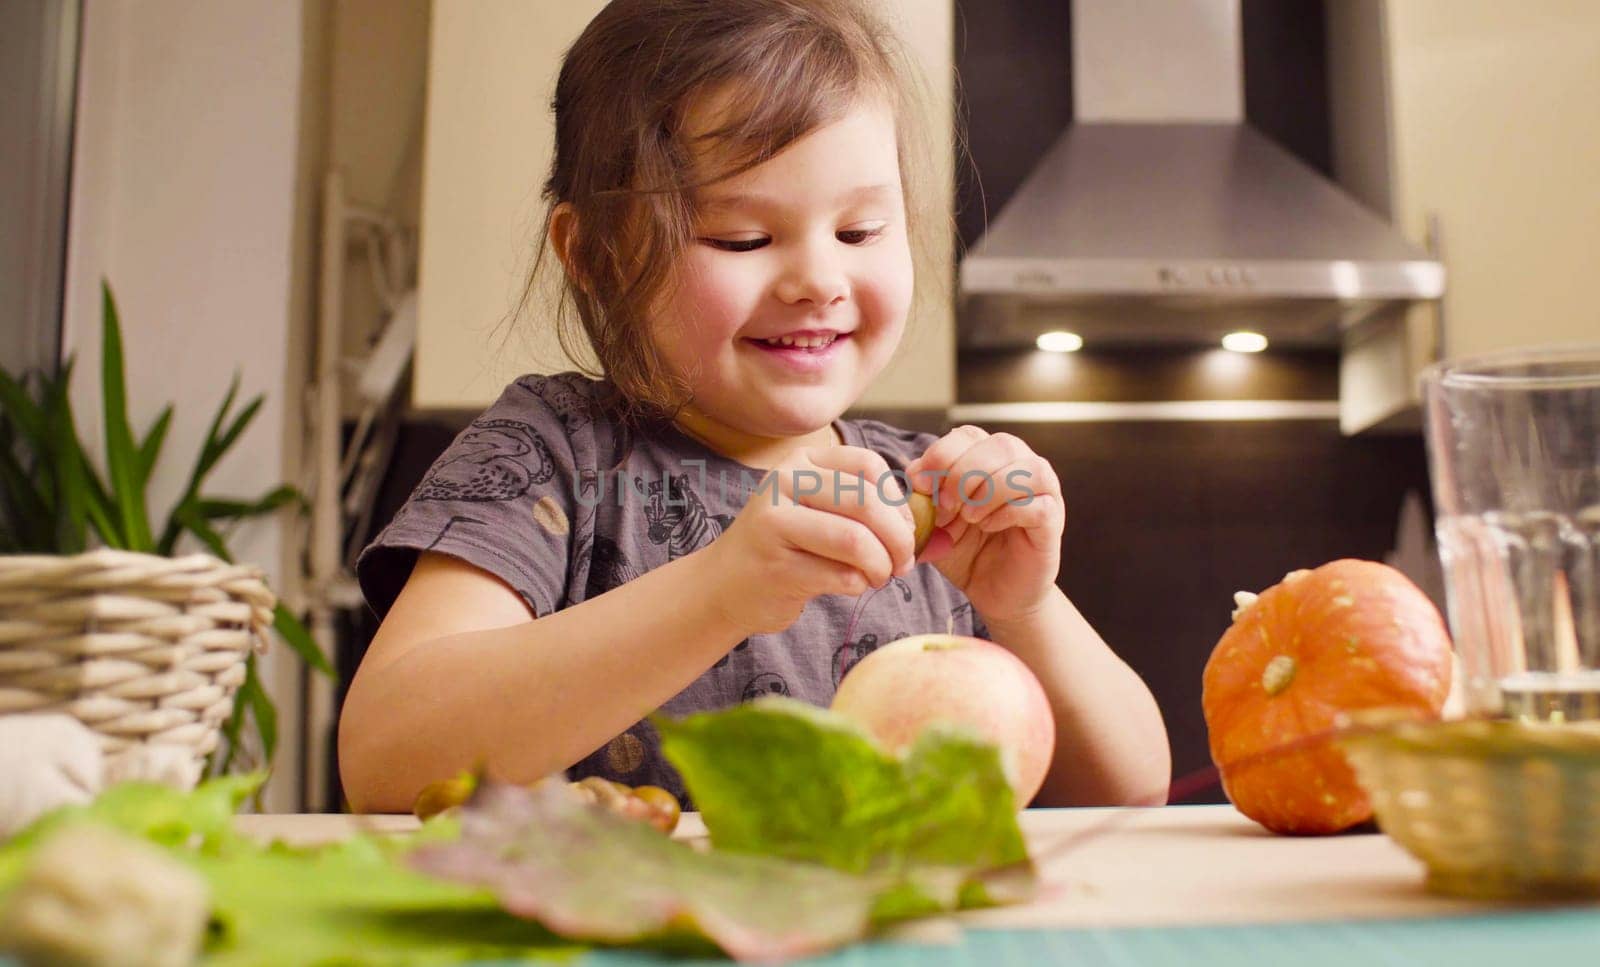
x=813 y=276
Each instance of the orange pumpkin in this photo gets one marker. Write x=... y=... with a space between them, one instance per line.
x=1349 y=635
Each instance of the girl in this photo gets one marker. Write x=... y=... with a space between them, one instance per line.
x=729 y=204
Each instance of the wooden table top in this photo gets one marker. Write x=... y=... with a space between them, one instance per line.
x=1167 y=866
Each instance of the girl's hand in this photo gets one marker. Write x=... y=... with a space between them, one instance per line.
x=1002 y=544
x=829 y=531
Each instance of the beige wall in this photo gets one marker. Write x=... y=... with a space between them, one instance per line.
x=1480 y=116
x=493 y=65
x=182 y=195
x=377 y=81
x=1496 y=119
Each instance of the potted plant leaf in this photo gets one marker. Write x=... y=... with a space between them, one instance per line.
x=105 y=621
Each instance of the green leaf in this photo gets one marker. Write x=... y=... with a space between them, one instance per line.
x=355 y=905
x=781 y=777
x=220 y=446
x=188 y=515
x=253 y=695
x=100 y=509
x=208 y=456
x=288 y=625
x=150 y=449
x=202 y=466
x=202 y=818
x=122 y=458
x=593 y=875
x=25 y=509
x=218 y=509
x=70 y=472
x=16 y=403
x=231 y=731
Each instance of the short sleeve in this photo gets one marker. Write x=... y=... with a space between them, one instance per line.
x=500 y=497
x=897 y=446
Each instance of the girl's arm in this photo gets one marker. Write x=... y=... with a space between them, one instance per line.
x=461 y=673
x=1111 y=745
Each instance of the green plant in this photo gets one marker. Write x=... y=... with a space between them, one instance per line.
x=52 y=498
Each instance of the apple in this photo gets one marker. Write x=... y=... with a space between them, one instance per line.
x=907 y=685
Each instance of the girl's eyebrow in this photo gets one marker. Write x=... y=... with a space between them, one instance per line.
x=750 y=201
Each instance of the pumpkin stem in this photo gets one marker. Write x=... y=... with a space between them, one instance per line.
x=1278 y=674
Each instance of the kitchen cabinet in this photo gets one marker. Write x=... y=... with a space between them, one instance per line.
x=1479 y=117
x=489 y=137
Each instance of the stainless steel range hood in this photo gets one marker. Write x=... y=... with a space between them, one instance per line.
x=1159 y=216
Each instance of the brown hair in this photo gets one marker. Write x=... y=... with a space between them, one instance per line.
x=778 y=69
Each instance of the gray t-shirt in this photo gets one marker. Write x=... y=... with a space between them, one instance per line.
x=557 y=501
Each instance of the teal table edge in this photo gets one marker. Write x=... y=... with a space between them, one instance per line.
x=1519 y=939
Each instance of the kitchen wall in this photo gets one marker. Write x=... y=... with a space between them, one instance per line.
x=187 y=195
x=1166 y=518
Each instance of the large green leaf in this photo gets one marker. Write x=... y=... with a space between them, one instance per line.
x=202 y=819
x=122 y=456
x=781 y=777
x=354 y=904
x=817 y=833
x=590 y=874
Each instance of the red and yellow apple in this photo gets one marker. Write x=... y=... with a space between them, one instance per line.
x=907 y=685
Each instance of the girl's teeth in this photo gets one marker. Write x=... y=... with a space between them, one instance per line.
x=802 y=342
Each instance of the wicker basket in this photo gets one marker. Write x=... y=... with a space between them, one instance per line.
x=1494 y=808
x=140 y=648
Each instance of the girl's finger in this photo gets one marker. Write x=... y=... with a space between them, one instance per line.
x=835 y=578
x=841 y=539
x=975 y=476
x=926 y=470
x=1020 y=482
x=857 y=483
x=1037 y=516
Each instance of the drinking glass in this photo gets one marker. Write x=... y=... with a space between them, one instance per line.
x=1514 y=452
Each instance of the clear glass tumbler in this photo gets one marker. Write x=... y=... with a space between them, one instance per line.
x=1514 y=453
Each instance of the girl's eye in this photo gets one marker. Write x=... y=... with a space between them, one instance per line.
x=859 y=236
x=736 y=244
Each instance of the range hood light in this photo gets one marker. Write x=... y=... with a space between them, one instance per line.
x=1059 y=341
x=1244 y=342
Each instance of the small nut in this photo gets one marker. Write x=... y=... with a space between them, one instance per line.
x=444 y=794
x=922 y=512
x=664 y=807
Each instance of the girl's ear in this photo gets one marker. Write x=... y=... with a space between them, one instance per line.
x=563 y=234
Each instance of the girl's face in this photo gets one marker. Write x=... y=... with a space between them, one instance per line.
x=795 y=291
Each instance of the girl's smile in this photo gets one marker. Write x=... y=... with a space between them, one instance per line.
x=805 y=350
